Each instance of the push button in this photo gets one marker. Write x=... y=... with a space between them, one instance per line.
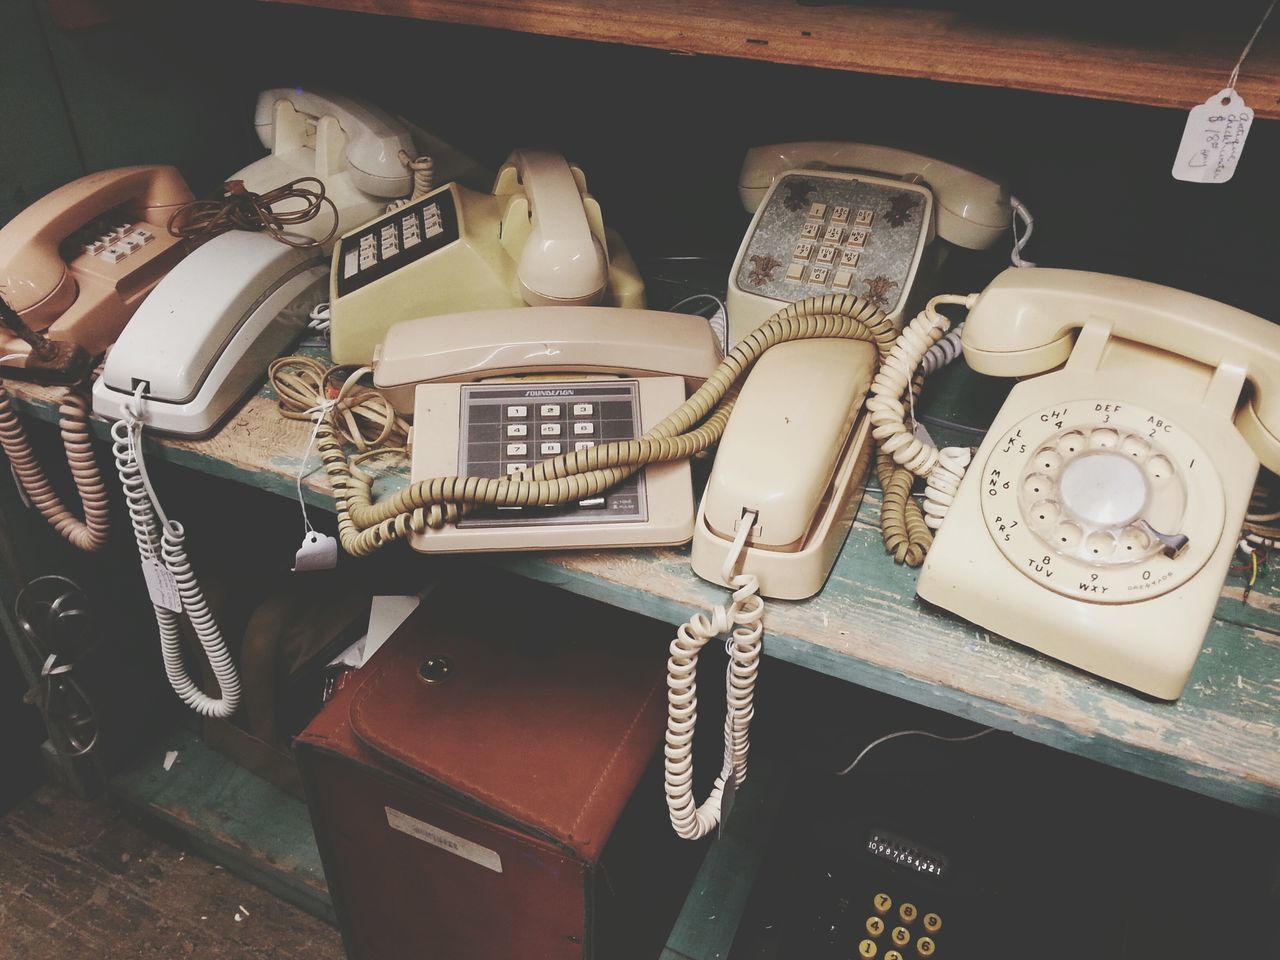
x=795 y=271
x=843 y=279
x=849 y=258
x=550 y=429
x=834 y=234
x=514 y=468
x=549 y=410
x=517 y=430
x=810 y=231
x=882 y=902
x=908 y=912
x=584 y=428
x=818 y=274
x=901 y=936
x=817 y=211
x=583 y=409
x=893 y=955
x=925 y=947
x=864 y=217
x=549 y=448
x=803 y=251
x=517 y=413
x=839 y=214
x=932 y=922
x=867 y=949
x=857 y=238
x=875 y=926
x=517 y=449
x=826 y=254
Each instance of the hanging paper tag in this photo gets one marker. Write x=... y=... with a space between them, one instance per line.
x=22 y=491
x=319 y=551
x=1213 y=139
x=162 y=586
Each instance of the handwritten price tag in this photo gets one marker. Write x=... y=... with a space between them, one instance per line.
x=1213 y=139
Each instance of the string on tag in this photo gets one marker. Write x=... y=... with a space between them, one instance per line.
x=320 y=411
x=1235 y=71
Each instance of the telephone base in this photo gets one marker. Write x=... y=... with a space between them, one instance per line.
x=802 y=573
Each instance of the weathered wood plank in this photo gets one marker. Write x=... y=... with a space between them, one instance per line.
x=1048 y=53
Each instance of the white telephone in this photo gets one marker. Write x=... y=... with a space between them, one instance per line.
x=353 y=147
x=1098 y=518
x=205 y=335
x=851 y=218
x=539 y=239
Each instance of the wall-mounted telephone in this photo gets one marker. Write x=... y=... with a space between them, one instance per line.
x=77 y=263
x=537 y=239
x=74 y=266
x=488 y=399
x=851 y=218
x=207 y=332
x=1097 y=521
x=353 y=147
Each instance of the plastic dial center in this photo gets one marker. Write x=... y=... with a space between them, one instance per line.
x=1104 y=489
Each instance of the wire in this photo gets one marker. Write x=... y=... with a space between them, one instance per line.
x=909 y=733
x=242 y=209
x=1020 y=213
x=718 y=321
x=362 y=416
x=424 y=179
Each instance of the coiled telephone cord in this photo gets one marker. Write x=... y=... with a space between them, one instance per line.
x=161 y=540
x=89 y=534
x=362 y=416
x=743 y=620
x=364 y=526
x=902 y=523
x=924 y=338
x=424 y=179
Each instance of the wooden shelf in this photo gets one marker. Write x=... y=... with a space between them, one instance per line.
x=1174 y=69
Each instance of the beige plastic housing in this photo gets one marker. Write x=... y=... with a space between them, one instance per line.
x=508 y=254
x=485 y=344
x=795 y=453
x=1158 y=366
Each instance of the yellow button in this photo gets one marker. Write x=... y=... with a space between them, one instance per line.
x=932 y=922
x=868 y=949
x=883 y=902
x=893 y=955
x=901 y=936
x=925 y=947
x=875 y=926
x=907 y=912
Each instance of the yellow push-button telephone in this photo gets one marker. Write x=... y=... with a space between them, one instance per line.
x=851 y=218
x=1098 y=518
x=538 y=239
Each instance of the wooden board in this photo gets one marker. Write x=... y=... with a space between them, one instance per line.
x=1052 y=52
x=1222 y=738
x=79 y=880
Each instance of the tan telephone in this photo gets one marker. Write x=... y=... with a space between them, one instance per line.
x=851 y=218
x=539 y=239
x=1099 y=517
x=494 y=393
x=74 y=266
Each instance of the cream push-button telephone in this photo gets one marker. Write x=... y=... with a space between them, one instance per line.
x=1097 y=520
x=851 y=218
x=537 y=239
x=494 y=393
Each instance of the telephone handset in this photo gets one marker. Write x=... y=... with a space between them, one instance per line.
x=352 y=146
x=538 y=238
x=78 y=262
x=1098 y=519
x=851 y=218
x=494 y=393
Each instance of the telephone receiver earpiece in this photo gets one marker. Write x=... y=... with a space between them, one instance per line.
x=1026 y=322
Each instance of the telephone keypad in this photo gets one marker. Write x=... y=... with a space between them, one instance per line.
x=601 y=411
x=877 y=264
x=396 y=240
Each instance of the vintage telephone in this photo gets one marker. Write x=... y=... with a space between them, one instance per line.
x=353 y=147
x=851 y=218
x=537 y=239
x=242 y=299
x=74 y=266
x=1097 y=521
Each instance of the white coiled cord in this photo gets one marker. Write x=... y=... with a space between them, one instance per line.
x=925 y=345
x=162 y=541
x=424 y=179
x=743 y=619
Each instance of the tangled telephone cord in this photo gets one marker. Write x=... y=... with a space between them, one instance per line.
x=365 y=525
x=167 y=547
x=924 y=337
x=424 y=179
x=89 y=534
x=743 y=621
x=242 y=209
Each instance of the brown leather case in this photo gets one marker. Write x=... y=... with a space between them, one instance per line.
x=473 y=817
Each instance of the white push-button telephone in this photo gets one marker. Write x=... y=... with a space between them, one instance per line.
x=1098 y=518
x=539 y=239
x=851 y=218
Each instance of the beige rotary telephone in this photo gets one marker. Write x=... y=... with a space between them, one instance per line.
x=539 y=239
x=852 y=218
x=1098 y=518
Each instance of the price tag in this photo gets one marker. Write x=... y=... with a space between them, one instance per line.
x=162 y=586
x=1213 y=139
x=319 y=551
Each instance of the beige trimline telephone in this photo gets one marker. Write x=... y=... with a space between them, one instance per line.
x=1098 y=519
x=804 y=445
